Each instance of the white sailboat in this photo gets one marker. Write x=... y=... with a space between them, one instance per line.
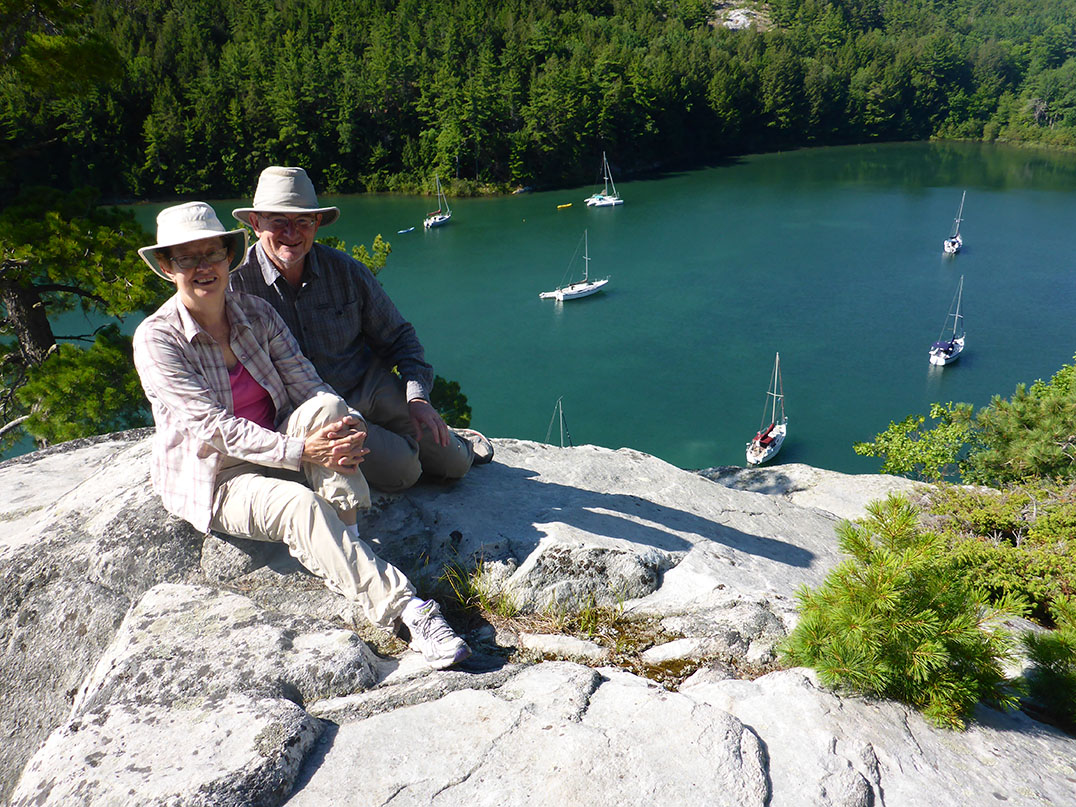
x=443 y=212
x=954 y=242
x=945 y=351
x=604 y=198
x=580 y=288
x=767 y=441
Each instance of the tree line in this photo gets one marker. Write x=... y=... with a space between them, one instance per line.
x=380 y=95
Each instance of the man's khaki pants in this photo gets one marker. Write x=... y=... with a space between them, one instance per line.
x=271 y=504
x=397 y=456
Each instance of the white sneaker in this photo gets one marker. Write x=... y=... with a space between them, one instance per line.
x=433 y=637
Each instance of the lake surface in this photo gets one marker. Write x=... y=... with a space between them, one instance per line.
x=831 y=256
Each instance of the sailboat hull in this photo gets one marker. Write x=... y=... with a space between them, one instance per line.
x=758 y=453
x=575 y=290
x=443 y=213
x=952 y=245
x=940 y=357
x=603 y=200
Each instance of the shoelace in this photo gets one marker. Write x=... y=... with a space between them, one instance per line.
x=432 y=626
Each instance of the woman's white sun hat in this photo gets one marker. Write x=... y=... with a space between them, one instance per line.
x=192 y=221
x=286 y=190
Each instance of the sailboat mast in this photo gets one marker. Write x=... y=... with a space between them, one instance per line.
x=558 y=415
x=959 y=215
x=776 y=383
x=957 y=316
x=772 y=393
x=586 y=256
x=563 y=426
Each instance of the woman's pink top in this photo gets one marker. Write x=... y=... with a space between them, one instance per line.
x=249 y=398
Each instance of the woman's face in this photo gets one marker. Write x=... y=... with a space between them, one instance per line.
x=199 y=269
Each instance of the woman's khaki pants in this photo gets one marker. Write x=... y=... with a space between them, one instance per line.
x=303 y=510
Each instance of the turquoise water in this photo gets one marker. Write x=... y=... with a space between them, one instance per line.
x=831 y=256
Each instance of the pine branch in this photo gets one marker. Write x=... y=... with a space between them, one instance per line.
x=60 y=287
x=13 y=424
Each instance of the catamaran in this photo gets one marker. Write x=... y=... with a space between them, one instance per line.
x=580 y=288
x=443 y=212
x=954 y=242
x=767 y=441
x=945 y=351
x=604 y=198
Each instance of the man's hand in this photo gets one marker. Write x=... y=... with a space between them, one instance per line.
x=337 y=446
x=423 y=414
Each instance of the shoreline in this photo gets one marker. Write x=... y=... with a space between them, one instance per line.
x=472 y=189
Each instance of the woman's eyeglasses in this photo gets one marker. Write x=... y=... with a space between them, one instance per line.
x=186 y=262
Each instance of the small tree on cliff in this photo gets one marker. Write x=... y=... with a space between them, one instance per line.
x=59 y=252
x=899 y=620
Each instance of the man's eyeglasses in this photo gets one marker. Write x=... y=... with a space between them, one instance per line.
x=279 y=223
x=186 y=262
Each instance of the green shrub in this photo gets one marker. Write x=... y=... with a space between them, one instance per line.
x=897 y=621
x=1026 y=438
x=1051 y=684
x=1031 y=435
x=982 y=512
x=1012 y=543
x=928 y=454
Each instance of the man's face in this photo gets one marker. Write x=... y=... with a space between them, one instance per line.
x=286 y=237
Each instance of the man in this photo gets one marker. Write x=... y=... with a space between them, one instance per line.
x=353 y=334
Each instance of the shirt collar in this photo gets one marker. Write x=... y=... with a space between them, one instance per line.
x=190 y=328
x=270 y=273
x=237 y=319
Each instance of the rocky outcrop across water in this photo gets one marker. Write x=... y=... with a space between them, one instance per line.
x=145 y=664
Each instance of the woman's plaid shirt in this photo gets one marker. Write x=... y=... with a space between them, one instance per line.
x=183 y=372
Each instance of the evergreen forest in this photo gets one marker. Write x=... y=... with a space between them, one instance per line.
x=194 y=98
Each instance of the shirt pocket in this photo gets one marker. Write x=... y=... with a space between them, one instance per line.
x=331 y=326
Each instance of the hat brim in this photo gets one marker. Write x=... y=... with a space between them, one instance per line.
x=328 y=214
x=235 y=240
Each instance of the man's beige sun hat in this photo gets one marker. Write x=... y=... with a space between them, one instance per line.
x=193 y=221
x=286 y=190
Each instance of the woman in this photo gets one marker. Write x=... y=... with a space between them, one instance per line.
x=249 y=440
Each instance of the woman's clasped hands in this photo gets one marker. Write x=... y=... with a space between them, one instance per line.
x=337 y=446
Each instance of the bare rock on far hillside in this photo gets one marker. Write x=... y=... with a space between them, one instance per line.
x=739 y=16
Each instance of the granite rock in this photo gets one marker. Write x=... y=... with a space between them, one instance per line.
x=146 y=664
